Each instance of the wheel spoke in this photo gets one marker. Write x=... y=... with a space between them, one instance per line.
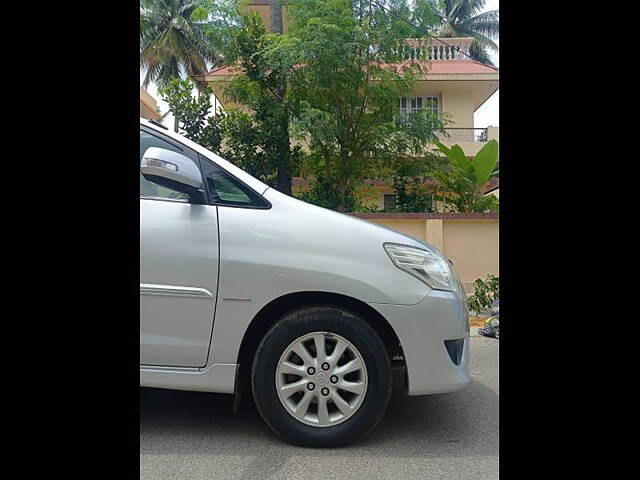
x=303 y=405
x=353 y=387
x=349 y=367
x=323 y=411
x=337 y=352
x=341 y=403
x=300 y=350
x=319 y=341
x=292 y=369
x=290 y=388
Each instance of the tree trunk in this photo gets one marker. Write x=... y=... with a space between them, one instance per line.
x=275 y=16
x=176 y=124
x=283 y=182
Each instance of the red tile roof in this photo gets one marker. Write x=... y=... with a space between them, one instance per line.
x=439 y=67
x=460 y=66
x=225 y=70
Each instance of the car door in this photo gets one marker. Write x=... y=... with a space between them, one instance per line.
x=179 y=253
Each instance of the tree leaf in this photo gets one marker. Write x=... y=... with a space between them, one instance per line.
x=485 y=161
x=444 y=149
x=462 y=162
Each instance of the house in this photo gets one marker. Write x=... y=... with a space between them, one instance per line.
x=148 y=106
x=453 y=84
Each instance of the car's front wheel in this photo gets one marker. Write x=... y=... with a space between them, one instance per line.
x=321 y=377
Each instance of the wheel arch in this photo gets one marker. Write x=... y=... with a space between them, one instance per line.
x=274 y=310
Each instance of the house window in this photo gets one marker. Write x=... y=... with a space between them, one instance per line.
x=389 y=201
x=413 y=104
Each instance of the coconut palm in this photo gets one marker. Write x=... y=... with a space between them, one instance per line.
x=462 y=18
x=171 y=42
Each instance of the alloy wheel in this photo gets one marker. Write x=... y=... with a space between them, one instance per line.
x=321 y=379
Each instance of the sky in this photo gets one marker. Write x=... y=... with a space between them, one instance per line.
x=487 y=115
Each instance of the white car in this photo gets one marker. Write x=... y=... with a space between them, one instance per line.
x=242 y=285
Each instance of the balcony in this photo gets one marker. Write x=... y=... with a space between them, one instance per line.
x=470 y=139
x=455 y=135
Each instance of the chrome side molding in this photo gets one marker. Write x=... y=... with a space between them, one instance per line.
x=174 y=291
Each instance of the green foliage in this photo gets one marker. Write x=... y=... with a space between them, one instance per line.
x=462 y=179
x=485 y=292
x=362 y=208
x=249 y=143
x=462 y=18
x=221 y=21
x=412 y=195
x=262 y=88
x=333 y=80
x=418 y=12
x=192 y=112
x=480 y=169
x=171 y=41
x=324 y=194
x=343 y=93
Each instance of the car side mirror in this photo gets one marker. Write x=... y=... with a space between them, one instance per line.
x=173 y=170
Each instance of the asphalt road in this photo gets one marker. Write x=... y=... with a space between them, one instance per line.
x=454 y=436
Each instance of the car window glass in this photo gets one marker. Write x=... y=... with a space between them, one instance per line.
x=151 y=189
x=225 y=189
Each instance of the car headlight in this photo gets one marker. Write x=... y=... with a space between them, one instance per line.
x=426 y=265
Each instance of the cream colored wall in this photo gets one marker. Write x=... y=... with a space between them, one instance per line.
x=148 y=106
x=416 y=228
x=493 y=133
x=459 y=104
x=473 y=245
x=455 y=99
x=474 y=248
x=263 y=11
x=218 y=86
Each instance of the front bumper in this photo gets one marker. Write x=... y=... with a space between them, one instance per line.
x=423 y=329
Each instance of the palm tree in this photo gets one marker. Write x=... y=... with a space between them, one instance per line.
x=462 y=18
x=171 y=42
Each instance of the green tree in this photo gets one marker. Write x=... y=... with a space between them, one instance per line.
x=192 y=113
x=338 y=57
x=462 y=179
x=220 y=21
x=171 y=41
x=251 y=143
x=406 y=14
x=260 y=87
x=409 y=183
x=463 y=18
x=235 y=136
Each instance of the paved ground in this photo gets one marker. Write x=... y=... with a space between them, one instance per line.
x=453 y=436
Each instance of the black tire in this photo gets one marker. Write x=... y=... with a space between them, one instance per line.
x=355 y=330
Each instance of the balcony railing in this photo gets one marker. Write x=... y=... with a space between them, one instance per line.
x=447 y=49
x=465 y=135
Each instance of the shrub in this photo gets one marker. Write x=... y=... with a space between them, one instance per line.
x=485 y=292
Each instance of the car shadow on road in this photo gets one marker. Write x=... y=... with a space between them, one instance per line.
x=459 y=424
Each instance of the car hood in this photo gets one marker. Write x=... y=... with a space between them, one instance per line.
x=322 y=221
